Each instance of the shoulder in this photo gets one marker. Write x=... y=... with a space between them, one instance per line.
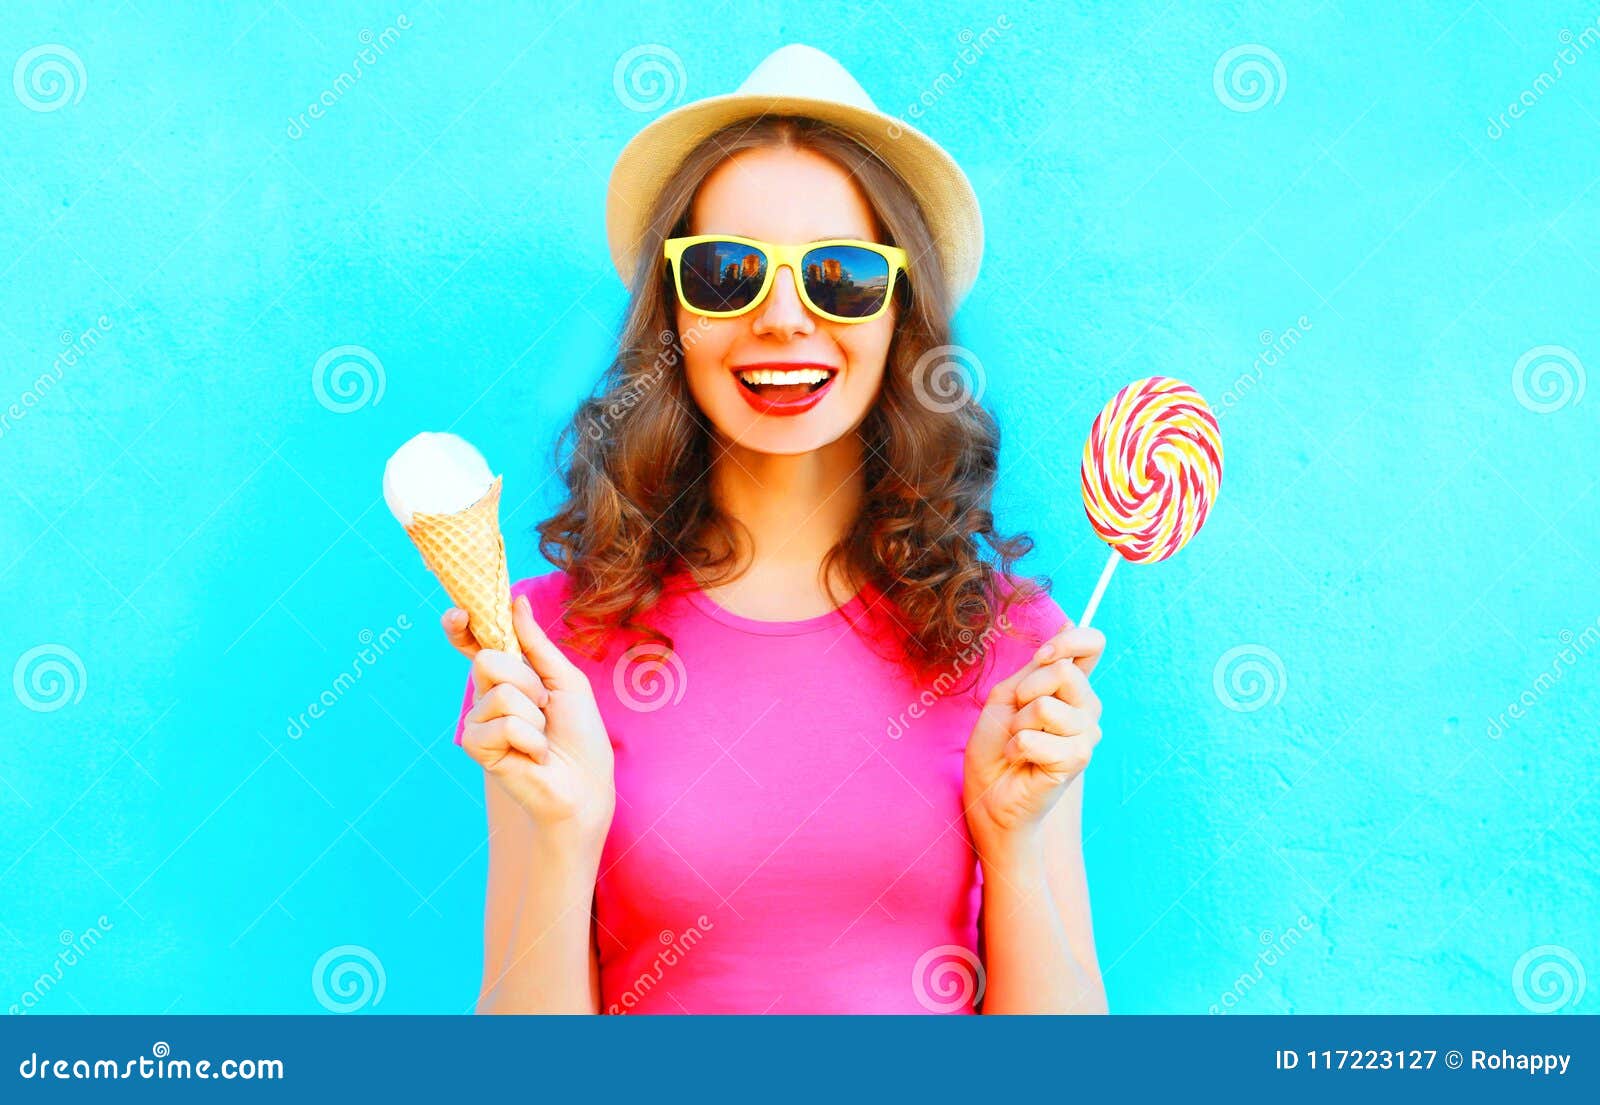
x=1027 y=612
x=1025 y=617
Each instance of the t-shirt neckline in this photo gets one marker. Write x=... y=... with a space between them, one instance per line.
x=843 y=614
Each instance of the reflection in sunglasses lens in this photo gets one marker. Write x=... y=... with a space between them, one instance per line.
x=722 y=276
x=847 y=281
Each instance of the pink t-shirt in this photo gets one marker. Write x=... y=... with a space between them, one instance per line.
x=789 y=834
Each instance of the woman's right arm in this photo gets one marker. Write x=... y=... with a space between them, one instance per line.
x=549 y=792
x=538 y=951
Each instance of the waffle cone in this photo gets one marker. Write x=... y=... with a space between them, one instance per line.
x=468 y=555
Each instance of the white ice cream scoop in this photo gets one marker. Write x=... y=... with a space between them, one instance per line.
x=441 y=490
x=434 y=474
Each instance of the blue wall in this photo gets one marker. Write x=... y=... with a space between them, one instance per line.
x=1301 y=802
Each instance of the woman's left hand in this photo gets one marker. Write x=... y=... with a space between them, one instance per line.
x=1034 y=735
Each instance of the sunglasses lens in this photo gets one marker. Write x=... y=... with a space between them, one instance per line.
x=722 y=276
x=847 y=281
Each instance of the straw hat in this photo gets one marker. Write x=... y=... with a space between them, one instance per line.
x=800 y=80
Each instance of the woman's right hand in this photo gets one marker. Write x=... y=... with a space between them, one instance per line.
x=535 y=727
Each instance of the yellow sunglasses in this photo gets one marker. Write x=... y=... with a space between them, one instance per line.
x=841 y=279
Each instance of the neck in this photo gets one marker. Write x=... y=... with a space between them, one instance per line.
x=794 y=508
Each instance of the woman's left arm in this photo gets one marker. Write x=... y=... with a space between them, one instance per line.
x=1038 y=935
x=1024 y=795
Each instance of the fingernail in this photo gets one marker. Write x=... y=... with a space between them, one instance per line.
x=1046 y=652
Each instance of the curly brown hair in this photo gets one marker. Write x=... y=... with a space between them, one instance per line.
x=639 y=508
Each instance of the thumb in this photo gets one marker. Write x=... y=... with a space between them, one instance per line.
x=547 y=661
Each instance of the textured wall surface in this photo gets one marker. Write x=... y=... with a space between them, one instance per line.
x=1311 y=796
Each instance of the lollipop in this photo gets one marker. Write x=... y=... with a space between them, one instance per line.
x=1151 y=468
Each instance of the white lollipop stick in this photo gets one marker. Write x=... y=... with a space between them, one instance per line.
x=1099 y=589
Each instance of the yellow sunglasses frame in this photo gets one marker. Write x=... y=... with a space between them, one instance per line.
x=781 y=256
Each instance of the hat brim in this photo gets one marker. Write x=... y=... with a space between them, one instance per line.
x=942 y=190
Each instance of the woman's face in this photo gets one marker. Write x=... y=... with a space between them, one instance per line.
x=783 y=196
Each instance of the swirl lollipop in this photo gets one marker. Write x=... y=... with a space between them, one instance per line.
x=1151 y=468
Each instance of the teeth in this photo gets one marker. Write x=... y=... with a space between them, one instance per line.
x=784 y=376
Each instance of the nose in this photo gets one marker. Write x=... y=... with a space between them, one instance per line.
x=783 y=315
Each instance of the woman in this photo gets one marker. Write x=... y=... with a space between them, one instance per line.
x=803 y=751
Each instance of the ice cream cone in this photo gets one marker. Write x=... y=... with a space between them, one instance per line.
x=467 y=553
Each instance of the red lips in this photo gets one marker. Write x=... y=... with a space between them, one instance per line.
x=790 y=405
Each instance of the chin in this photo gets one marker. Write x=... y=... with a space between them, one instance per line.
x=786 y=442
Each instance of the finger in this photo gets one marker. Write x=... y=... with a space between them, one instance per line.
x=454 y=622
x=1063 y=679
x=1004 y=692
x=520 y=734
x=492 y=666
x=552 y=665
x=1049 y=714
x=1082 y=646
x=486 y=746
x=505 y=700
x=1059 y=756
